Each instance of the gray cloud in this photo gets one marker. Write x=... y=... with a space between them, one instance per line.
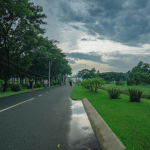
x=125 y=62
x=92 y=56
x=119 y=61
x=126 y=22
x=71 y=61
x=67 y=14
x=76 y=27
x=84 y=39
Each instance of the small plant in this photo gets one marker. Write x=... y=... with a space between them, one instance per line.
x=114 y=93
x=16 y=87
x=135 y=95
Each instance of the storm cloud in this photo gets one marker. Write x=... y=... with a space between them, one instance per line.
x=83 y=26
x=119 y=61
x=92 y=56
x=126 y=22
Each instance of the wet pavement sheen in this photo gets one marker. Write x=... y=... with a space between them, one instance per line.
x=81 y=136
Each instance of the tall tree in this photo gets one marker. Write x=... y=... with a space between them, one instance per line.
x=20 y=21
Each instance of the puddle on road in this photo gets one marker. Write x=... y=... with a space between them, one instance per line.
x=81 y=136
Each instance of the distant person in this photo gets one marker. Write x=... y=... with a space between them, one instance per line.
x=60 y=82
x=70 y=83
x=45 y=83
x=31 y=84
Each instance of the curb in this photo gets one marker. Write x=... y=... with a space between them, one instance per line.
x=105 y=136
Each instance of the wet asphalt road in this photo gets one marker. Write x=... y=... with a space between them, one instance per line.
x=39 y=124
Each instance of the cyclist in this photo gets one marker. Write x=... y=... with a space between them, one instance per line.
x=45 y=83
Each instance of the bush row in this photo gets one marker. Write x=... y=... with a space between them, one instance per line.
x=19 y=87
x=119 y=83
x=135 y=95
x=93 y=84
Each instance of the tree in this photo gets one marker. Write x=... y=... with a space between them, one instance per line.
x=137 y=78
x=20 y=21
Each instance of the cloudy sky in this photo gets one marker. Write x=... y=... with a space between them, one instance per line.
x=110 y=35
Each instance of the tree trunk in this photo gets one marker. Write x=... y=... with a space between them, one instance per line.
x=5 y=85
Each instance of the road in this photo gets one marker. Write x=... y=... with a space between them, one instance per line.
x=38 y=124
x=45 y=120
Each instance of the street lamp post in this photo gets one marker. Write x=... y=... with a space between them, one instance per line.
x=50 y=62
x=49 y=73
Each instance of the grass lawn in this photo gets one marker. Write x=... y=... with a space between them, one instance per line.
x=3 y=94
x=124 y=88
x=129 y=121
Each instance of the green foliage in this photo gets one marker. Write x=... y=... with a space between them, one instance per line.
x=114 y=93
x=39 y=85
x=121 y=116
x=119 y=83
x=16 y=87
x=107 y=82
x=125 y=89
x=21 y=36
x=140 y=74
x=93 y=84
x=108 y=76
x=25 y=85
x=135 y=95
x=35 y=85
x=1 y=84
x=54 y=82
x=137 y=78
x=130 y=81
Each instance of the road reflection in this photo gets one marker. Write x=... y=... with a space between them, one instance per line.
x=81 y=136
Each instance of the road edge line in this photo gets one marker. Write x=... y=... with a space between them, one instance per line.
x=15 y=105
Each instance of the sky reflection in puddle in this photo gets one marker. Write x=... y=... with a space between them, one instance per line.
x=81 y=136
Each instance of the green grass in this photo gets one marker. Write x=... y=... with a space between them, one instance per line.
x=9 y=93
x=124 y=88
x=129 y=121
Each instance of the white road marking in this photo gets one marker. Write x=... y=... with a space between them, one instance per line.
x=16 y=105
x=40 y=95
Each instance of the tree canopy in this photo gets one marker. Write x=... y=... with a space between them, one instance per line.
x=24 y=51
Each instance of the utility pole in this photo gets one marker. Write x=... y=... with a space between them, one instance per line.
x=50 y=63
x=49 y=73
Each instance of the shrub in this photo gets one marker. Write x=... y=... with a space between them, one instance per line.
x=114 y=93
x=107 y=82
x=16 y=87
x=54 y=82
x=135 y=95
x=119 y=83
x=39 y=85
x=97 y=83
x=35 y=85
x=25 y=85
x=93 y=84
